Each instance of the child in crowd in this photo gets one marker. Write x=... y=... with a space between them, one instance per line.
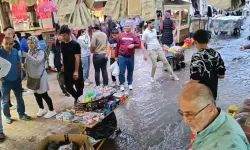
x=112 y=47
x=207 y=66
x=12 y=81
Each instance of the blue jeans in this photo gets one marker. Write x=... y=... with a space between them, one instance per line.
x=86 y=67
x=16 y=86
x=126 y=63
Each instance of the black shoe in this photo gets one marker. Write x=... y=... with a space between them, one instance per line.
x=66 y=94
x=25 y=118
x=2 y=137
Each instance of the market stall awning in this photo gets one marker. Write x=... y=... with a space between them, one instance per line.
x=227 y=4
x=16 y=2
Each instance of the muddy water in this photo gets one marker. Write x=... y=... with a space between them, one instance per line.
x=149 y=121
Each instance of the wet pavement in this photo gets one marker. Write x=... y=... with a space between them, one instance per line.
x=149 y=121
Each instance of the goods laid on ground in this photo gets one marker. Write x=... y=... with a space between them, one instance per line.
x=226 y=25
x=95 y=115
x=73 y=13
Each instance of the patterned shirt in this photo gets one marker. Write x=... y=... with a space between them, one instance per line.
x=206 y=66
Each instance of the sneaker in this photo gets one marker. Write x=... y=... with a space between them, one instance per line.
x=41 y=112
x=113 y=84
x=50 y=114
x=122 y=88
x=2 y=137
x=86 y=83
x=13 y=107
x=25 y=118
x=8 y=120
x=152 y=80
x=174 y=77
x=130 y=87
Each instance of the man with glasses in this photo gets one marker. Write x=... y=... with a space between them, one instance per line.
x=214 y=128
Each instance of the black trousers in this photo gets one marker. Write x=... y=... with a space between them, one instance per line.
x=112 y=60
x=100 y=64
x=70 y=83
x=60 y=79
x=45 y=96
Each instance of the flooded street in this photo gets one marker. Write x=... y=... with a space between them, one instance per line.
x=150 y=119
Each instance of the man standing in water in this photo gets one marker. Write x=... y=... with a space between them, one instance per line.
x=126 y=45
x=155 y=50
x=72 y=67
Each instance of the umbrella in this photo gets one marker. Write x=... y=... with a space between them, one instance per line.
x=47 y=8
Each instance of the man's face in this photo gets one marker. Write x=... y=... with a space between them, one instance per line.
x=9 y=33
x=8 y=44
x=59 y=37
x=127 y=28
x=152 y=25
x=65 y=37
x=115 y=36
x=196 y=119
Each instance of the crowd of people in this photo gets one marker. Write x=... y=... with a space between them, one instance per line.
x=70 y=57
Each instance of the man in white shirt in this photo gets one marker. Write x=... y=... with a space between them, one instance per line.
x=155 y=50
x=4 y=70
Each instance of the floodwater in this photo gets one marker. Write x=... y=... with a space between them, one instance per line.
x=149 y=121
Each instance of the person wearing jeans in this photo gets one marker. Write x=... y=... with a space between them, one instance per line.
x=155 y=50
x=99 y=45
x=125 y=50
x=5 y=68
x=84 y=41
x=12 y=81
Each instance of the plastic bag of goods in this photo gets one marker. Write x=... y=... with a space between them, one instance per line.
x=116 y=70
x=244 y=106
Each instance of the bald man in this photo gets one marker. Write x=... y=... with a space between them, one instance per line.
x=215 y=129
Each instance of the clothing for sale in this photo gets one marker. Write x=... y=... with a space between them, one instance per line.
x=5 y=66
x=35 y=68
x=99 y=42
x=100 y=64
x=167 y=31
x=14 y=59
x=150 y=38
x=45 y=96
x=69 y=50
x=223 y=133
x=124 y=40
x=126 y=62
x=159 y=54
x=206 y=66
x=85 y=44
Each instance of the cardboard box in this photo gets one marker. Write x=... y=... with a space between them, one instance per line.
x=78 y=138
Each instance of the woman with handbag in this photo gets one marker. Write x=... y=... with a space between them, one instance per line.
x=37 y=78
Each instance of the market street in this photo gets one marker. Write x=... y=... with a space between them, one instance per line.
x=149 y=120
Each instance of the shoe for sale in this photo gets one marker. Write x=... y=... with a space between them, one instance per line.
x=122 y=88
x=2 y=137
x=25 y=118
x=8 y=120
x=41 y=112
x=130 y=87
x=152 y=80
x=50 y=114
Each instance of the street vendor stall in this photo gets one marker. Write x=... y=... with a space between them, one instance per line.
x=95 y=115
x=180 y=15
x=226 y=24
